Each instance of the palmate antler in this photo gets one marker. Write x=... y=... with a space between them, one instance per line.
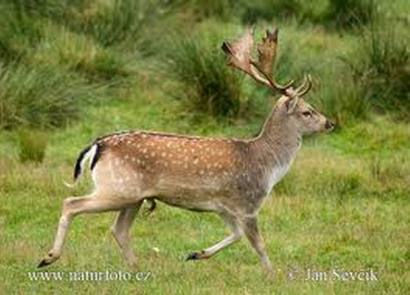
x=240 y=56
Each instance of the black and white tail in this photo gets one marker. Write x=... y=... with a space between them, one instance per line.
x=91 y=153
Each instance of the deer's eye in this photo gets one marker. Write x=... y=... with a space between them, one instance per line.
x=307 y=114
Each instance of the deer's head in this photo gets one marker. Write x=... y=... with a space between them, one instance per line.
x=291 y=107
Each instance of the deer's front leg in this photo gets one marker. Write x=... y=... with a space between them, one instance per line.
x=237 y=233
x=250 y=228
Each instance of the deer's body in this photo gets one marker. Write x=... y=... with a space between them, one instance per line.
x=231 y=177
x=196 y=173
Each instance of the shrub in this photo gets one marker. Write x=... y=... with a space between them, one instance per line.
x=117 y=21
x=108 y=22
x=381 y=64
x=343 y=100
x=32 y=144
x=349 y=13
x=18 y=32
x=252 y=11
x=219 y=9
x=62 y=47
x=40 y=96
x=208 y=84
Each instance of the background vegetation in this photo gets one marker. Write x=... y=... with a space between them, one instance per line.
x=74 y=70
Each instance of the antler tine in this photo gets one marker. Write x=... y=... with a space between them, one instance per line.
x=272 y=83
x=266 y=59
x=267 y=52
x=239 y=54
x=302 y=85
x=307 y=85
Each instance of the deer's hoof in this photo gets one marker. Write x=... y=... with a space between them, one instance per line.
x=193 y=256
x=197 y=256
x=50 y=258
x=43 y=263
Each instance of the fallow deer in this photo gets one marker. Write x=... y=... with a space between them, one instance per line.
x=230 y=177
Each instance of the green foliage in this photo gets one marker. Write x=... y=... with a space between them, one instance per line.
x=18 y=32
x=115 y=21
x=381 y=64
x=203 y=9
x=40 y=96
x=105 y=41
x=252 y=11
x=79 y=53
x=345 y=101
x=208 y=85
x=32 y=145
x=336 y=13
x=108 y=22
x=350 y=13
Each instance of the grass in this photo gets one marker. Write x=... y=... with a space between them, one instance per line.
x=71 y=71
x=342 y=205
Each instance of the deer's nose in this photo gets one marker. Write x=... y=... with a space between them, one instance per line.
x=329 y=125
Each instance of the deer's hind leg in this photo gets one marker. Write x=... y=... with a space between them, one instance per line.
x=74 y=206
x=120 y=231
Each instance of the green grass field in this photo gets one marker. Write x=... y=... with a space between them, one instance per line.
x=68 y=76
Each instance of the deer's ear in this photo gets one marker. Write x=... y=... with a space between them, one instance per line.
x=291 y=104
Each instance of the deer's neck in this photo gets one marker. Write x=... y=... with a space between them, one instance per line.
x=275 y=148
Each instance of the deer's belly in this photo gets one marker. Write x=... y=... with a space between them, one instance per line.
x=198 y=204
x=192 y=195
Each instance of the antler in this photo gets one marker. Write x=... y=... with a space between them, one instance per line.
x=305 y=87
x=295 y=94
x=267 y=51
x=240 y=56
